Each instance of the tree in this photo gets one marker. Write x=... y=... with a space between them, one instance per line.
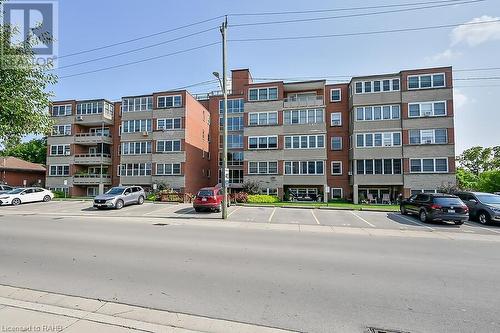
x=489 y=181
x=251 y=187
x=479 y=159
x=24 y=98
x=34 y=151
x=466 y=180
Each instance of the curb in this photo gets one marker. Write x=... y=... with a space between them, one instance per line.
x=320 y=207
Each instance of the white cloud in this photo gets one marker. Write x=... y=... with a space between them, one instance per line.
x=459 y=98
x=475 y=34
x=446 y=55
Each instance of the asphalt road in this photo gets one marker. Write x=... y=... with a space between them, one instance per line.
x=313 y=282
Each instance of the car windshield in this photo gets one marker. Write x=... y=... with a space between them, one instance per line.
x=489 y=199
x=16 y=191
x=205 y=193
x=116 y=190
x=448 y=201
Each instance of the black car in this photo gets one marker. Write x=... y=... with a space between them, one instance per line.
x=436 y=207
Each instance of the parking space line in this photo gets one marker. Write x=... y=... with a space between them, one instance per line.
x=478 y=226
x=272 y=214
x=362 y=219
x=414 y=222
x=237 y=208
x=315 y=218
x=162 y=209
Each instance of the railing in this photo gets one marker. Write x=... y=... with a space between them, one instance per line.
x=303 y=101
x=99 y=155
x=92 y=135
x=91 y=179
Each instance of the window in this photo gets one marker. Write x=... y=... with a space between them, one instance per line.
x=136 y=148
x=304 y=167
x=263 y=142
x=262 y=94
x=336 y=119
x=337 y=193
x=335 y=95
x=336 y=168
x=303 y=116
x=233 y=141
x=62 y=110
x=385 y=112
x=430 y=136
x=233 y=105
x=428 y=109
x=135 y=169
x=262 y=118
x=138 y=125
x=168 y=124
x=426 y=81
x=269 y=191
x=94 y=107
x=336 y=143
x=377 y=86
x=169 y=101
x=59 y=170
x=385 y=139
x=304 y=141
x=379 y=167
x=166 y=146
x=137 y=104
x=57 y=150
x=59 y=130
x=263 y=168
x=234 y=158
x=233 y=123
x=433 y=165
x=168 y=169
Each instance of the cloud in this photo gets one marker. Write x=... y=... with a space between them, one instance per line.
x=459 y=98
x=476 y=34
x=446 y=55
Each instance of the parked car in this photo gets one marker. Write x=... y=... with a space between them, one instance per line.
x=23 y=195
x=117 y=197
x=484 y=207
x=209 y=198
x=436 y=207
x=5 y=188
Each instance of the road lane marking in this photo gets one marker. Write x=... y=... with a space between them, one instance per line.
x=237 y=208
x=272 y=214
x=315 y=218
x=362 y=219
x=414 y=222
x=478 y=226
x=168 y=207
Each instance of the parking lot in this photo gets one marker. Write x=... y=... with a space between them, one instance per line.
x=268 y=215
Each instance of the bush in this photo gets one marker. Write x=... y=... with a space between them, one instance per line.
x=262 y=198
x=60 y=194
x=251 y=187
x=239 y=197
x=152 y=197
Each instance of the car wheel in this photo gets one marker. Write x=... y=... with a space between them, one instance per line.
x=16 y=201
x=219 y=208
x=403 y=210
x=197 y=209
x=423 y=216
x=119 y=204
x=46 y=198
x=459 y=222
x=484 y=218
x=140 y=201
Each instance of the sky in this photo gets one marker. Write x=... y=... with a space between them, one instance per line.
x=91 y=24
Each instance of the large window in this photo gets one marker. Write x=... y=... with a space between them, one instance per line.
x=90 y=107
x=385 y=139
x=136 y=148
x=426 y=81
x=336 y=119
x=263 y=142
x=376 y=86
x=138 y=125
x=263 y=168
x=233 y=141
x=262 y=118
x=168 y=146
x=304 y=167
x=137 y=104
x=263 y=94
x=383 y=112
x=305 y=141
x=61 y=110
x=336 y=168
x=428 y=165
x=233 y=123
x=304 y=116
x=135 y=169
x=233 y=105
x=428 y=136
x=169 y=101
x=335 y=95
x=59 y=130
x=59 y=170
x=168 y=169
x=379 y=167
x=234 y=158
x=336 y=143
x=168 y=123
x=57 y=150
x=428 y=109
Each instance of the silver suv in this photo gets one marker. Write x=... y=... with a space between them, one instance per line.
x=120 y=196
x=485 y=207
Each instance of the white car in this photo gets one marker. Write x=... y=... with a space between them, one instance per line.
x=22 y=195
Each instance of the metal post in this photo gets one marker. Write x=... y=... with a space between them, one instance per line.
x=101 y=184
x=223 y=30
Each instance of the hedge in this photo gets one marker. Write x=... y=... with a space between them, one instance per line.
x=262 y=198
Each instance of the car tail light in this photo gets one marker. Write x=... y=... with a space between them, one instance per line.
x=466 y=209
x=434 y=206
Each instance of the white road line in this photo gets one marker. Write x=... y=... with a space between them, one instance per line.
x=272 y=214
x=237 y=208
x=315 y=218
x=362 y=219
x=478 y=226
x=415 y=222
x=168 y=207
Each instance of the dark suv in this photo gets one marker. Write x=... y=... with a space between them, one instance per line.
x=485 y=207
x=436 y=207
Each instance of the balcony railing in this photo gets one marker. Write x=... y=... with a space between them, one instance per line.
x=92 y=159
x=91 y=179
x=92 y=138
x=294 y=102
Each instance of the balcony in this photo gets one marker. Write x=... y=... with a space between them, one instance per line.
x=303 y=101
x=92 y=139
x=93 y=159
x=91 y=179
x=94 y=119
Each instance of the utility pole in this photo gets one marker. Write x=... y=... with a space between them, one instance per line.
x=101 y=184
x=223 y=31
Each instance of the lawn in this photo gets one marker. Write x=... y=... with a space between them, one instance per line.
x=339 y=205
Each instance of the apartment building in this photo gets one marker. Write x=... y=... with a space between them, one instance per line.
x=369 y=139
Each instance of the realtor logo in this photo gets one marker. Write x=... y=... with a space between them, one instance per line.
x=33 y=22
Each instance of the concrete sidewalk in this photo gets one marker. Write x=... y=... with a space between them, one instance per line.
x=26 y=310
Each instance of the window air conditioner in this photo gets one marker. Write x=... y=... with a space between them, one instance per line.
x=80 y=118
x=427 y=114
x=145 y=133
x=349 y=173
x=67 y=153
x=428 y=141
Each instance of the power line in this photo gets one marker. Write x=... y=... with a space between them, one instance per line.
x=141 y=37
x=140 y=61
x=477 y=78
x=477 y=69
x=355 y=15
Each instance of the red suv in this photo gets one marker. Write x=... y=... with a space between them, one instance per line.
x=209 y=198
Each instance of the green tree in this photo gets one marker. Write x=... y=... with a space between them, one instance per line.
x=33 y=151
x=479 y=159
x=489 y=181
x=24 y=95
x=466 y=180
